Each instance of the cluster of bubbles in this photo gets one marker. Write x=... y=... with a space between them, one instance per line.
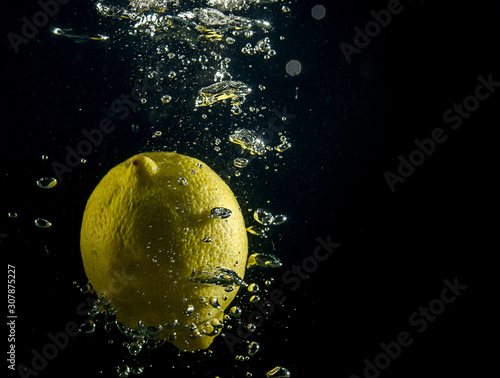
x=44 y=183
x=189 y=52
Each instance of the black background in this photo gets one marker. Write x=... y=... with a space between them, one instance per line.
x=352 y=122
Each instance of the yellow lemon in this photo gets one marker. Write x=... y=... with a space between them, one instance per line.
x=163 y=239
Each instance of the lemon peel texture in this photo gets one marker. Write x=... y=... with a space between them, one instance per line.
x=147 y=228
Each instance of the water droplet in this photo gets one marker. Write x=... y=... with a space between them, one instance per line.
x=248 y=139
x=123 y=371
x=257 y=231
x=278 y=372
x=12 y=215
x=172 y=324
x=235 y=312
x=251 y=327
x=134 y=347
x=166 y=99
x=263 y=217
x=189 y=310
x=42 y=223
x=253 y=348
x=143 y=100
x=214 y=301
x=263 y=260
x=182 y=181
x=149 y=330
x=47 y=182
x=253 y=288
x=207 y=239
x=220 y=212
x=45 y=157
x=240 y=162
x=254 y=298
x=87 y=327
x=139 y=369
x=279 y=219
x=216 y=276
x=85 y=288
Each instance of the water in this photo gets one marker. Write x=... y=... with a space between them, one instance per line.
x=220 y=213
x=216 y=276
x=278 y=372
x=249 y=140
x=198 y=59
x=47 y=182
x=267 y=219
x=42 y=223
x=263 y=260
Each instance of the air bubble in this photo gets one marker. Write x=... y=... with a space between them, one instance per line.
x=263 y=217
x=240 y=162
x=220 y=213
x=257 y=231
x=87 y=327
x=254 y=298
x=253 y=348
x=214 y=301
x=253 y=288
x=47 y=182
x=42 y=223
x=182 y=181
x=278 y=372
x=263 y=260
x=123 y=371
x=166 y=99
x=235 y=312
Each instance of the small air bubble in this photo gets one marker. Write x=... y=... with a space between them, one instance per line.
x=42 y=223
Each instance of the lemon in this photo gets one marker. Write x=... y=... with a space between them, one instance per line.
x=150 y=224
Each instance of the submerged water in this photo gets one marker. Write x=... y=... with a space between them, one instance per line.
x=212 y=79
